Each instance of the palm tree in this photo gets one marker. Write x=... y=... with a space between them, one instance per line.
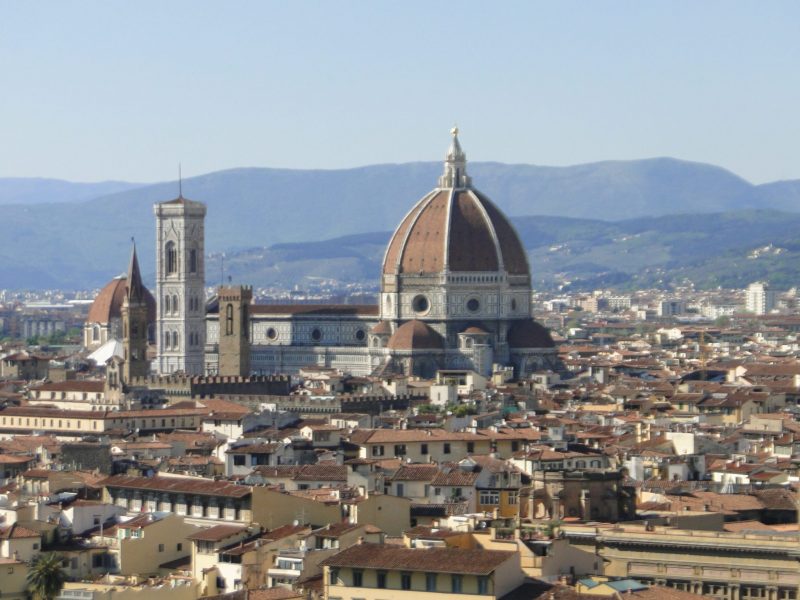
x=45 y=578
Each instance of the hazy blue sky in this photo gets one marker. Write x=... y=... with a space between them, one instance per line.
x=124 y=90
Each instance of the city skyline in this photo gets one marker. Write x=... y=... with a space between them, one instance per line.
x=140 y=88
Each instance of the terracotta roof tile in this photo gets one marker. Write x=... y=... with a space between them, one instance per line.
x=437 y=560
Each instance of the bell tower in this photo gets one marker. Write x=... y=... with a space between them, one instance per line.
x=234 y=330
x=180 y=286
x=134 y=324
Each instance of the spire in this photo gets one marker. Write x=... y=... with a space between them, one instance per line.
x=135 y=286
x=455 y=165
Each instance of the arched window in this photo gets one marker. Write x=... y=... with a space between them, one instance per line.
x=175 y=303
x=96 y=333
x=229 y=319
x=192 y=261
x=171 y=255
x=174 y=340
x=167 y=308
x=166 y=340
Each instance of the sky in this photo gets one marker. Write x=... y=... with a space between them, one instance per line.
x=123 y=90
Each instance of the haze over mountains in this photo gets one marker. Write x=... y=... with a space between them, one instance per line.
x=54 y=237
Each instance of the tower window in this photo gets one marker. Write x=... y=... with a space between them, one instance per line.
x=175 y=303
x=193 y=261
x=172 y=258
x=229 y=319
x=167 y=308
x=174 y=340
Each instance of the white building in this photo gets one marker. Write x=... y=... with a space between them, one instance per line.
x=759 y=298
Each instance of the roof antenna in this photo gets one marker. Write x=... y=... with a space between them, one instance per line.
x=180 y=182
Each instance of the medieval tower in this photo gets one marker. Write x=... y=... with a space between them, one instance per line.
x=180 y=286
x=234 y=330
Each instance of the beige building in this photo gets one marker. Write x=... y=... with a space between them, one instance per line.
x=420 y=445
x=374 y=572
x=722 y=565
x=139 y=546
x=14 y=579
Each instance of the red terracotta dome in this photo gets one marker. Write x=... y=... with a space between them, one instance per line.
x=107 y=304
x=415 y=335
x=455 y=228
x=527 y=333
x=382 y=328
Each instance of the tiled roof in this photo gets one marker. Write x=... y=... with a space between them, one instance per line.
x=216 y=533
x=204 y=487
x=17 y=532
x=416 y=472
x=435 y=560
x=455 y=477
x=369 y=310
x=71 y=385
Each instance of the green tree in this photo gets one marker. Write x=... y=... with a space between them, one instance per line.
x=45 y=578
x=722 y=321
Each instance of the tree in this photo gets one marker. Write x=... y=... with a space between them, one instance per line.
x=45 y=578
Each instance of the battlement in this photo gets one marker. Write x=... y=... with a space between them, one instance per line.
x=181 y=379
x=235 y=293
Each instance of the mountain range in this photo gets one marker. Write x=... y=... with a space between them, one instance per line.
x=63 y=239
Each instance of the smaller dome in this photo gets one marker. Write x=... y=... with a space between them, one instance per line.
x=415 y=335
x=382 y=328
x=528 y=333
x=107 y=304
x=475 y=331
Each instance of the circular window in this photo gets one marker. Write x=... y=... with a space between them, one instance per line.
x=316 y=335
x=420 y=304
x=360 y=335
x=473 y=304
x=272 y=334
x=513 y=304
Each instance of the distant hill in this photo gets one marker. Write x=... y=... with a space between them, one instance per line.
x=34 y=190
x=728 y=249
x=83 y=243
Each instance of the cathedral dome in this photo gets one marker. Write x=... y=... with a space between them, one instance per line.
x=107 y=304
x=415 y=335
x=455 y=228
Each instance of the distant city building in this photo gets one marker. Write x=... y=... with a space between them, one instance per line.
x=670 y=308
x=618 y=302
x=759 y=298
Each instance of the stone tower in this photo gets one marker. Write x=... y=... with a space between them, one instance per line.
x=234 y=330
x=134 y=324
x=180 y=286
